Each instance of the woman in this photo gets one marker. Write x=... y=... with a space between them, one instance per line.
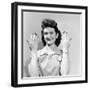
x=51 y=60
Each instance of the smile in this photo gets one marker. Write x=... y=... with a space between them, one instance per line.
x=48 y=39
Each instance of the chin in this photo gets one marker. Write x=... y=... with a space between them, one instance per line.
x=49 y=44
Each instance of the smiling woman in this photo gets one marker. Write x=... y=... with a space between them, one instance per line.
x=51 y=60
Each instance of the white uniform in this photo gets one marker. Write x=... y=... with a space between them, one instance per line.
x=49 y=62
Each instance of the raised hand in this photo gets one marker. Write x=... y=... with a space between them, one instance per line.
x=65 y=40
x=33 y=42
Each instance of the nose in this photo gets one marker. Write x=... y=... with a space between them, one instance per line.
x=48 y=35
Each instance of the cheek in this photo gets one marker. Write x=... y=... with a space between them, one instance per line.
x=45 y=36
x=53 y=36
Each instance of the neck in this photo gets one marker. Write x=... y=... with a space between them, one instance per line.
x=52 y=47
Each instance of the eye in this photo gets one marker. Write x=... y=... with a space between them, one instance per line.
x=45 y=33
x=51 y=32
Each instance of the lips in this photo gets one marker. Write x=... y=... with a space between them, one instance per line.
x=48 y=39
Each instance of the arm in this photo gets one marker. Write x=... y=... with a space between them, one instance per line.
x=33 y=68
x=65 y=62
x=26 y=71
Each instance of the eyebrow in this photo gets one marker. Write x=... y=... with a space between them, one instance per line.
x=47 y=31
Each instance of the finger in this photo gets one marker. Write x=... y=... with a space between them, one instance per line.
x=35 y=33
x=70 y=39
x=35 y=36
x=30 y=48
x=28 y=44
x=64 y=36
x=64 y=32
x=27 y=41
x=31 y=36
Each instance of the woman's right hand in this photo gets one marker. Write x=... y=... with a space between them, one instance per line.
x=33 y=42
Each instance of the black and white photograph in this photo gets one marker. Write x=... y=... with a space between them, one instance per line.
x=49 y=44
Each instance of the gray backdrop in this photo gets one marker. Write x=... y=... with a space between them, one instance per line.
x=68 y=22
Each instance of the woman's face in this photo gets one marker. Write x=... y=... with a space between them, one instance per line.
x=50 y=35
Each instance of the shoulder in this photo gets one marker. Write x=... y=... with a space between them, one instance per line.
x=41 y=51
x=59 y=51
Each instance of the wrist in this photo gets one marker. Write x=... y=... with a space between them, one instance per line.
x=65 y=50
x=34 y=57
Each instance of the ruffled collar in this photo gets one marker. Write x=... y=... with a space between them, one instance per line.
x=47 y=50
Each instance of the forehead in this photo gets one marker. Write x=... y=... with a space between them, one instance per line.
x=49 y=29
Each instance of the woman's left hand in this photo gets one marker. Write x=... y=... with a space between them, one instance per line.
x=65 y=40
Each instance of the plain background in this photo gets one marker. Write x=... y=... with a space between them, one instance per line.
x=66 y=22
x=5 y=46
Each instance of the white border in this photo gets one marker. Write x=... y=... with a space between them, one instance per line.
x=56 y=79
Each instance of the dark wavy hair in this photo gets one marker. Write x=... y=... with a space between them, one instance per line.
x=53 y=24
